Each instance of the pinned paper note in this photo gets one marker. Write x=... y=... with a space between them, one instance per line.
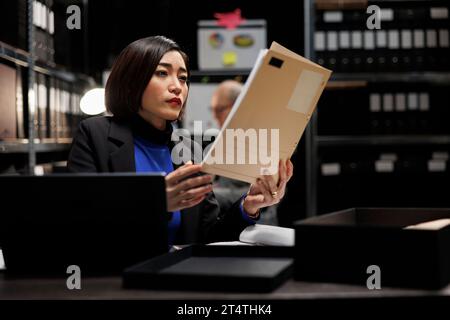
x=229 y=58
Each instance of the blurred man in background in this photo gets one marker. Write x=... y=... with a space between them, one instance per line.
x=228 y=190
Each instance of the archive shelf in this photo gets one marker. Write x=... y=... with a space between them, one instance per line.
x=413 y=77
x=59 y=91
x=383 y=140
x=318 y=145
x=20 y=57
x=22 y=146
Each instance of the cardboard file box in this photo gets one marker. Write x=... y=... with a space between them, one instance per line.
x=214 y=268
x=340 y=246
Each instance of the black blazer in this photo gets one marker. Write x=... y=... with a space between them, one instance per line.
x=103 y=144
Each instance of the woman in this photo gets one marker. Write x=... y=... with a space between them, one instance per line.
x=146 y=91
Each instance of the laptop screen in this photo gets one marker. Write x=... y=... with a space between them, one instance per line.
x=101 y=222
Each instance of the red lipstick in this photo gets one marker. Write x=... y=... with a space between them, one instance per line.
x=175 y=100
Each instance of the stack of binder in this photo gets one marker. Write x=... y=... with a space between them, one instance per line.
x=383 y=176
x=383 y=140
x=380 y=109
x=414 y=36
x=44 y=23
x=7 y=102
x=56 y=105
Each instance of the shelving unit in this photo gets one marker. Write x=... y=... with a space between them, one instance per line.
x=220 y=73
x=318 y=145
x=383 y=140
x=21 y=58
x=412 y=77
x=57 y=92
x=311 y=130
x=22 y=146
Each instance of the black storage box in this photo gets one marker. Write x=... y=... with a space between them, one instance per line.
x=214 y=268
x=340 y=246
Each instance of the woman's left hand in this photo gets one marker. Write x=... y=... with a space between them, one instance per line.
x=266 y=191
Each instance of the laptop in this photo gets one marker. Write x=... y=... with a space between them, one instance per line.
x=100 y=222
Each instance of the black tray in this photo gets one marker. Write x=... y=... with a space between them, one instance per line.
x=214 y=268
x=340 y=246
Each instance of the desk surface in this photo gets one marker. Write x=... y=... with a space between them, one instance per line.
x=106 y=288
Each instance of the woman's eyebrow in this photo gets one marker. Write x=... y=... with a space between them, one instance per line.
x=169 y=65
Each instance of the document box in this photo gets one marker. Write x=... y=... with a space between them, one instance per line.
x=353 y=245
x=214 y=268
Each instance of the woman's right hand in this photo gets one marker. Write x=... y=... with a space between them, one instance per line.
x=183 y=192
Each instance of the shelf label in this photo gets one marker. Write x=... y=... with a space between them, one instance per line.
x=333 y=16
x=437 y=165
x=439 y=13
x=330 y=169
x=384 y=166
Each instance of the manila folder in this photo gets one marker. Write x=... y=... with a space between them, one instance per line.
x=269 y=116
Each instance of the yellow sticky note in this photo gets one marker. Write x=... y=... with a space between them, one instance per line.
x=229 y=58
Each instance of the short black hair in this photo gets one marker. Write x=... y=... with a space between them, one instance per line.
x=132 y=71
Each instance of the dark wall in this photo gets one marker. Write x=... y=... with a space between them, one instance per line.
x=115 y=23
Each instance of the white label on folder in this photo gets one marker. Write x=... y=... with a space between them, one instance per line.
x=356 y=40
x=387 y=14
x=412 y=101
x=38 y=14
x=51 y=26
x=375 y=102
x=381 y=39
x=330 y=169
x=34 y=97
x=333 y=16
x=431 y=39
x=344 y=39
x=436 y=165
x=319 y=40
x=394 y=39
x=384 y=166
x=424 y=101
x=388 y=102
x=406 y=39
x=42 y=96
x=2 y=261
x=439 y=13
x=43 y=13
x=332 y=40
x=308 y=84
x=35 y=14
x=369 y=40
x=39 y=170
x=42 y=16
x=443 y=38
x=419 y=39
x=400 y=102
x=440 y=155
